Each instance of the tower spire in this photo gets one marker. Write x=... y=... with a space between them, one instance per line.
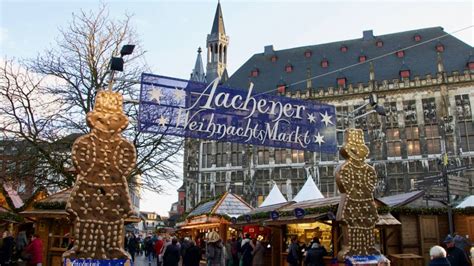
x=217 y=43
x=198 y=73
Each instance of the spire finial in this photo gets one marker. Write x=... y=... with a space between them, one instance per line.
x=199 y=50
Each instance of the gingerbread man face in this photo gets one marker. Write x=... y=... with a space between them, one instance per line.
x=107 y=115
x=354 y=148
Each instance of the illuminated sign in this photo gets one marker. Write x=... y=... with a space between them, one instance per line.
x=208 y=111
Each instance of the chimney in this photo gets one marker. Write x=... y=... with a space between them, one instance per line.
x=268 y=50
x=368 y=35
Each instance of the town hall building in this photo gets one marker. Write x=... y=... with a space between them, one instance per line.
x=423 y=79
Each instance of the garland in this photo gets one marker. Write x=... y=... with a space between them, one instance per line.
x=380 y=210
x=9 y=216
x=224 y=216
x=53 y=205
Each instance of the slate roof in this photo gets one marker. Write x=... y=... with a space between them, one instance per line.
x=421 y=60
x=228 y=204
x=402 y=199
x=218 y=25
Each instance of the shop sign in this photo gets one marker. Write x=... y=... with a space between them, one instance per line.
x=299 y=213
x=274 y=215
x=191 y=109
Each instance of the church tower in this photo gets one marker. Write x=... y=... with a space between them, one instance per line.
x=217 y=43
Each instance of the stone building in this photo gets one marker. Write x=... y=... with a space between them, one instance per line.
x=423 y=78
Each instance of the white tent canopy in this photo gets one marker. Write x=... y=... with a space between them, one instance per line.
x=309 y=191
x=274 y=197
x=467 y=202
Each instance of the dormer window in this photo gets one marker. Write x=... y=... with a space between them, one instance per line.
x=274 y=58
x=362 y=58
x=308 y=53
x=341 y=82
x=324 y=63
x=343 y=48
x=379 y=43
x=405 y=73
x=254 y=73
x=440 y=47
x=400 y=54
x=417 y=37
x=289 y=68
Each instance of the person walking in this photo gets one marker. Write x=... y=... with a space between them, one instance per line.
x=215 y=251
x=438 y=257
x=247 y=248
x=293 y=252
x=234 y=250
x=132 y=245
x=258 y=252
x=184 y=247
x=6 y=251
x=171 y=255
x=193 y=255
x=35 y=251
x=314 y=255
x=158 y=250
x=455 y=255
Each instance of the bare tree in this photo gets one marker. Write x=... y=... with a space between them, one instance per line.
x=75 y=69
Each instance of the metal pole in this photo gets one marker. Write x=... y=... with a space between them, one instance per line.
x=446 y=178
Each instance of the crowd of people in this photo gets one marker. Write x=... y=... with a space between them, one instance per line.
x=21 y=250
x=169 y=251
x=454 y=252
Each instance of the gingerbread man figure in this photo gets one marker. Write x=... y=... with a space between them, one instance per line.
x=100 y=199
x=357 y=211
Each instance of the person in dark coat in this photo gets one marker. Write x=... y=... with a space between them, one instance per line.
x=247 y=250
x=455 y=255
x=314 y=255
x=192 y=257
x=6 y=251
x=438 y=257
x=293 y=252
x=172 y=254
x=132 y=244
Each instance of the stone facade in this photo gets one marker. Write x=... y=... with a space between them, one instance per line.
x=427 y=116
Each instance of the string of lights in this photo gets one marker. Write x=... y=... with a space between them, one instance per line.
x=369 y=60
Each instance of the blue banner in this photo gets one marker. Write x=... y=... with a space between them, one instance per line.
x=207 y=111
x=95 y=262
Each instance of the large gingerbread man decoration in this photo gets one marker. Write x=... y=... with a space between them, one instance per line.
x=100 y=199
x=357 y=211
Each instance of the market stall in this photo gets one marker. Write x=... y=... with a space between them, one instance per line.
x=214 y=215
x=52 y=224
x=309 y=219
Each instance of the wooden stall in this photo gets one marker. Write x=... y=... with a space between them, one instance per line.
x=52 y=224
x=213 y=215
x=318 y=221
x=424 y=223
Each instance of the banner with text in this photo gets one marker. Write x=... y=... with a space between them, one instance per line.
x=207 y=111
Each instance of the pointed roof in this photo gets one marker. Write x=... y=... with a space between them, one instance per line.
x=227 y=204
x=218 y=25
x=309 y=191
x=198 y=72
x=467 y=202
x=274 y=197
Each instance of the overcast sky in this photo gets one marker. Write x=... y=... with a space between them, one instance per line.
x=171 y=31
